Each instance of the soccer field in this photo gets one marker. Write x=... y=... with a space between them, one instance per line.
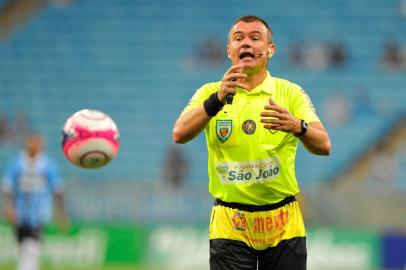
x=109 y=267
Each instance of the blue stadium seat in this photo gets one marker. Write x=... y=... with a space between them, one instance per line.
x=127 y=58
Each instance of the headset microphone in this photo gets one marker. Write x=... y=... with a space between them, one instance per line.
x=268 y=53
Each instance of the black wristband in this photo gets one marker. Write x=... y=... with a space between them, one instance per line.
x=212 y=105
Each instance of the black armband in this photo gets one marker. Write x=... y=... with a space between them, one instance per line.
x=212 y=105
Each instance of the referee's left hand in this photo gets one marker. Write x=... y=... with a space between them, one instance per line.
x=278 y=118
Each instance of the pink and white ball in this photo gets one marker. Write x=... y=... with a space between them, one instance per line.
x=90 y=139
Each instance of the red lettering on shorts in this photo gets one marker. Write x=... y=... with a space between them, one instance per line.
x=270 y=223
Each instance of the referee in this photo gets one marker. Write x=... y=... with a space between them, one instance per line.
x=253 y=123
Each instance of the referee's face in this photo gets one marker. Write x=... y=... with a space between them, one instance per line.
x=248 y=45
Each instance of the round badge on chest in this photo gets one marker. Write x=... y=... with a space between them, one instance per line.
x=249 y=127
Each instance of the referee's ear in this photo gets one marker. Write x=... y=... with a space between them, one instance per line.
x=271 y=50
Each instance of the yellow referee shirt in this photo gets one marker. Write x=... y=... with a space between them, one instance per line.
x=247 y=163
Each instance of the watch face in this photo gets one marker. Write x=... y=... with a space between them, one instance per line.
x=303 y=128
x=305 y=125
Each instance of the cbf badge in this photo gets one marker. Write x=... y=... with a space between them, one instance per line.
x=249 y=127
x=224 y=129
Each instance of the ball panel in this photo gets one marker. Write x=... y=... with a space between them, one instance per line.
x=77 y=150
x=92 y=114
x=93 y=160
x=80 y=119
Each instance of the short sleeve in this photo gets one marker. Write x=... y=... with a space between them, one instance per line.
x=302 y=106
x=54 y=178
x=201 y=95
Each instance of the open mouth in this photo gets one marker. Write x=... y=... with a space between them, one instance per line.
x=246 y=55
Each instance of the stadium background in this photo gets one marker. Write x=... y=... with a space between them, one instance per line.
x=140 y=61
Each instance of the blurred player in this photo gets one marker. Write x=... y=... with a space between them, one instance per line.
x=253 y=123
x=30 y=185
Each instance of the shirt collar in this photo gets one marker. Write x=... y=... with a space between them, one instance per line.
x=267 y=85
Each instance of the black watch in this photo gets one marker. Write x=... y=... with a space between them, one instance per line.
x=303 y=128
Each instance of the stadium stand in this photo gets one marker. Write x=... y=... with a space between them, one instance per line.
x=129 y=59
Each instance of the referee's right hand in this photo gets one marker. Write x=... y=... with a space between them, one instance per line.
x=232 y=79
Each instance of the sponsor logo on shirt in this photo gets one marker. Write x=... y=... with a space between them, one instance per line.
x=255 y=171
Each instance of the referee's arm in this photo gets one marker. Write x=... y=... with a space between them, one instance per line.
x=316 y=139
x=190 y=124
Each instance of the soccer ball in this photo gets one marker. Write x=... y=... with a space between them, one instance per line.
x=90 y=139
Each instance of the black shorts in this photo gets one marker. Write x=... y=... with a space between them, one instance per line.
x=236 y=255
x=25 y=231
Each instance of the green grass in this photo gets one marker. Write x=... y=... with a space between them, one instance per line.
x=108 y=267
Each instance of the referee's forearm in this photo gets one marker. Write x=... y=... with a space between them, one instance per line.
x=189 y=125
x=316 y=140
